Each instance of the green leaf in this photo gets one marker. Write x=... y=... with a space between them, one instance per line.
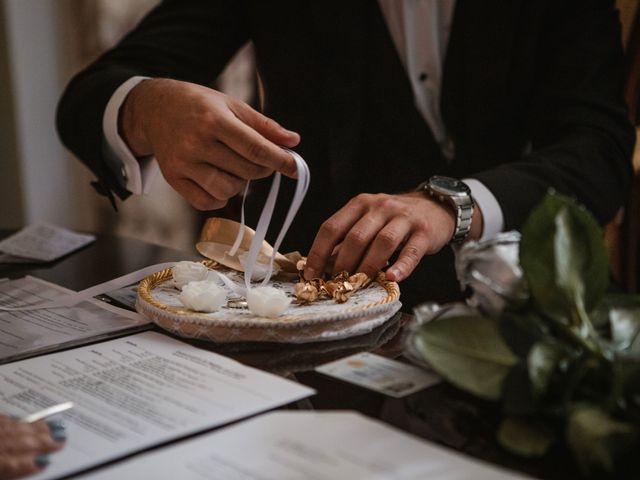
x=522 y=329
x=517 y=393
x=524 y=437
x=564 y=260
x=626 y=389
x=528 y=386
x=597 y=440
x=469 y=352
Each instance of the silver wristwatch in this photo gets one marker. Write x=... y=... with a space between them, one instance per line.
x=457 y=195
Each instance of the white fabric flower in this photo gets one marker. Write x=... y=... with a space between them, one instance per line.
x=185 y=272
x=267 y=301
x=260 y=268
x=203 y=296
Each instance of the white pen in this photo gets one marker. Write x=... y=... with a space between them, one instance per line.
x=47 y=412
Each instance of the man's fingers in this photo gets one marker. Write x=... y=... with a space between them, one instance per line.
x=409 y=258
x=196 y=195
x=220 y=185
x=330 y=234
x=251 y=145
x=225 y=159
x=357 y=241
x=386 y=242
x=268 y=128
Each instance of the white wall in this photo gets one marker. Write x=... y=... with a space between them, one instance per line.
x=11 y=208
x=46 y=173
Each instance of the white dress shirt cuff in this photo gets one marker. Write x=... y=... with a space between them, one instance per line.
x=492 y=216
x=137 y=174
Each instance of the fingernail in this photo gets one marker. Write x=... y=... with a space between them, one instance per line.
x=310 y=273
x=43 y=460
x=58 y=430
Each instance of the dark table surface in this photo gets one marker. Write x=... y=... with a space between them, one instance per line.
x=441 y=414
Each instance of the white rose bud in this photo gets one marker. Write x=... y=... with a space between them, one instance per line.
x=267 y=301
x=203 y=296
x=185 y=272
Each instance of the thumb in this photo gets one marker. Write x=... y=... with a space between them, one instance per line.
x=265 y=126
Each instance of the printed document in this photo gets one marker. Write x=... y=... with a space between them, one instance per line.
x=31 y=332
x=136 y=392
x=297 y=445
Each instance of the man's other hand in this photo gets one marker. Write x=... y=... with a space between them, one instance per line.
x=207 y=144
x=367 y=231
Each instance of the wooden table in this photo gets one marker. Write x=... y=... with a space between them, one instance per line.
x=441 y=414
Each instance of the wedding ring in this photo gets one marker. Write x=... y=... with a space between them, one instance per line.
x=237 y=303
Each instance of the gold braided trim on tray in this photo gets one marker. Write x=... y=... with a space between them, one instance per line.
x=149 y=283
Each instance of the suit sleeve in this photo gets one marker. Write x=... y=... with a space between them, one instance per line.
x=190 y=40
x=581 y=140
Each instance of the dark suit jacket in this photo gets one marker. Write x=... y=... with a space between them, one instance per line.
x=531 y=96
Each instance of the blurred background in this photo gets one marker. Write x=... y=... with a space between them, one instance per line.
x=42 y=44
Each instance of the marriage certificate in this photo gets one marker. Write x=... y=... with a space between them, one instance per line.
x=136 y=392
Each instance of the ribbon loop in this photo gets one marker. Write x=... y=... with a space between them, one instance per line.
x=302 y=185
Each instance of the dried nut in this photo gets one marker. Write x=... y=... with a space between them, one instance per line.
x=306 y=292
x=329 y=288
x=301 y=264
x=359 y=280
x=341 y=277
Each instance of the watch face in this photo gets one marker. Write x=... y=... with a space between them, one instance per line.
x=448 y=186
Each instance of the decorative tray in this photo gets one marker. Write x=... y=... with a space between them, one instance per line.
x=322 y=320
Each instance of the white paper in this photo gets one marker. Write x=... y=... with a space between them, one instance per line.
x=136 y=392
x=42 y=242
x=26 y=333
x=300 y=445
x=380 y=374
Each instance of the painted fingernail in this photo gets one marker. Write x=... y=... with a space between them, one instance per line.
x=43 y=460
x=58 y=430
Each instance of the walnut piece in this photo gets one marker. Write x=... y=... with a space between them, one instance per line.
x=339 y=288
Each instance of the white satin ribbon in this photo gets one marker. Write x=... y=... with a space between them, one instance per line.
x=302 y=185
x=240 y=236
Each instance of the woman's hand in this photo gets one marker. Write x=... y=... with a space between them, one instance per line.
x=25 y=447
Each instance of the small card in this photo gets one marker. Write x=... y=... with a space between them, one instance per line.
x=380 y=374
x=42 y=243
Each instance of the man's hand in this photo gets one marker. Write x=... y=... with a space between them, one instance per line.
x=371 y=228
x=207 y=144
